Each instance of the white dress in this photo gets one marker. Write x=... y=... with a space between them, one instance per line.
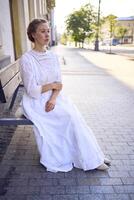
x=63 y=138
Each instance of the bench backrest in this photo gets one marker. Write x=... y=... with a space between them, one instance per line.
x=9 y=80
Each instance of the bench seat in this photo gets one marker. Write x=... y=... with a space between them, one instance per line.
x=15 y=121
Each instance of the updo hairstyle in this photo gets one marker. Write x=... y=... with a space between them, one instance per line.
x=33 y=27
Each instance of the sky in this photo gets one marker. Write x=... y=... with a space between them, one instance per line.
x=120 y=8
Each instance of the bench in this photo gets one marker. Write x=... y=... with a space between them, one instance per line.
x=10 y=82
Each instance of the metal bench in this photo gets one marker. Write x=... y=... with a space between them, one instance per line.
x=10 y=82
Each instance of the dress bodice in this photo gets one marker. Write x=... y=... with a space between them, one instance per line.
x=46 y=66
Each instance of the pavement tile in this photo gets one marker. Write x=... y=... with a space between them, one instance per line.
x=58 y=175
x=128 y=181
x=42 y=182
x=101 y=189
x=65 y=197
x=53 y=190
x=18 y=182
x=117 y=197
x=124 y=189
x=110 y=181
x=131 y=173
x=77 y=189
x=23 y=190
x=118 y=173
x=91 y=197
x=88 y=181
x=13 y=197
x=39 y=197
x=97 y=173
x=67 y=181
x=131 y=196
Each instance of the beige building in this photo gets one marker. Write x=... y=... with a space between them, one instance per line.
x=127 y=22
x=15 y=16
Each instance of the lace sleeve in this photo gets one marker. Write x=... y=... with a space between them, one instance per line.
x=27 y=74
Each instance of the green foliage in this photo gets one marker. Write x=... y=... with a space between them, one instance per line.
x=120 y=32
x=111 y=20
x=64 y=39
x=114 y=29
x=79 y=23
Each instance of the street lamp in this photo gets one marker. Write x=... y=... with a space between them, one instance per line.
x=97 y=31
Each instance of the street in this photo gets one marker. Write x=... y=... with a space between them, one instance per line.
x=102 y=87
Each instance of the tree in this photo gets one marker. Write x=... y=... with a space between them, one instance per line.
x=110 y=23
x=63 y=38
x=111 y=20
x=120 y=32
x=78 y=23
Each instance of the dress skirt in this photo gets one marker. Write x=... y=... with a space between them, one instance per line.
x=63 y=138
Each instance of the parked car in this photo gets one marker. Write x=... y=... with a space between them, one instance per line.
x=107 y=42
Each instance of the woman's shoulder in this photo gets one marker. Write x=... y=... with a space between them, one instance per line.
x=26 y=58
x=26 y=55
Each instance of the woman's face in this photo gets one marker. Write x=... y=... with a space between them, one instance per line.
x=42 y=34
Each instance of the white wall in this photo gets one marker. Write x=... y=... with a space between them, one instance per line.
x=6 y=31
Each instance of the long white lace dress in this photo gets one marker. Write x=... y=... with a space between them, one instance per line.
x=63 y=138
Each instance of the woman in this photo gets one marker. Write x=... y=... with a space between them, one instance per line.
x=63 y=138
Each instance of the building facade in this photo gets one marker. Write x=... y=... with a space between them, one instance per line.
x=125 y=22
x=128 y=23
x=14 y=18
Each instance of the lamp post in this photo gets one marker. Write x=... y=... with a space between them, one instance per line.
x=97 y=31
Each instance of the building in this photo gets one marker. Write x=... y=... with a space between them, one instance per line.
x=111 y=38
x=128 y=23
x=15 y=16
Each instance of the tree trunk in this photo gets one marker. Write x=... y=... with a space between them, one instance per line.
x=75 y=44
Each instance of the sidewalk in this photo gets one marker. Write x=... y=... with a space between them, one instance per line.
x=107 y=104
x=122 y=50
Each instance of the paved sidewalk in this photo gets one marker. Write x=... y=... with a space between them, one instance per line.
x=107 y=104
x=122 y=50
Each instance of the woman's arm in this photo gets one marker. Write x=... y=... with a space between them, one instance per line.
x=51 y=86
x=52 y=101
x=54 y=95
x=34 y=90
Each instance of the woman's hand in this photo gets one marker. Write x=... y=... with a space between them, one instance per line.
x=56 y=87
x=50 y=104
